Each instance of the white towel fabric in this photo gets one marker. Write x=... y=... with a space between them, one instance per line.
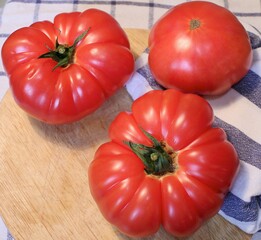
x=242 y=205
x=238 y=113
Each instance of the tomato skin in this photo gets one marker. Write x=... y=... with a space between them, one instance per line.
x=136 y=202
x=102 y=63
x=207 y=59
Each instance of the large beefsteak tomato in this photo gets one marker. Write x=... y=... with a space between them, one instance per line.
x=199 y=47
x=165 y=164
x=60 y=72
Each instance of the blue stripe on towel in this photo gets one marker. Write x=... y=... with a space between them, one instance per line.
x=146 y=73
x=250 y=87
x=254 y=39
x=127 y=3
x=2 y=73
x=248 y=150
x=242 y=211
x=4 y=35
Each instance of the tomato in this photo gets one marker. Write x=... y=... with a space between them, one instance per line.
x=199 y=47
x=164 y=165
x=63 y=70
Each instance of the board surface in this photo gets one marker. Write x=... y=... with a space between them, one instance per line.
x=44 y=192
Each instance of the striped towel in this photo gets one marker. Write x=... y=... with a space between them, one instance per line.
x=238 y=112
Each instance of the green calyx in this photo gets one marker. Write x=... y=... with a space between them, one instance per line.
x=156 y=159
x=63 y=54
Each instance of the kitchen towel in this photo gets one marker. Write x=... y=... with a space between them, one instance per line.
x=143 y=14
x=238 y=112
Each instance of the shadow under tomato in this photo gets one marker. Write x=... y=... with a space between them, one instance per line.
x=91 y=130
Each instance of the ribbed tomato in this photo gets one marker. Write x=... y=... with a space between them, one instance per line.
x=165 y=164
x=63 y=70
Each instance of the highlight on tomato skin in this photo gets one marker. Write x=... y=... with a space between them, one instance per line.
x=198 y=52
x=64 y=70
x=164 y=165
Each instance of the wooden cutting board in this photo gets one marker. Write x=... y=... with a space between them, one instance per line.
x=44 y=190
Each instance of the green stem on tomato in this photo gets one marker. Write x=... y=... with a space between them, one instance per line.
x=63 y=54
x=156 y=159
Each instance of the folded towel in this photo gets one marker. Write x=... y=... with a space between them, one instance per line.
x=238 y=112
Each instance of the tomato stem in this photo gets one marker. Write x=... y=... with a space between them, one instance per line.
x=63 y=54
x=194 y=23
x=156 y=159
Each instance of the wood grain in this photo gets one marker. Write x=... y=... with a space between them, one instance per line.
x=44 y=190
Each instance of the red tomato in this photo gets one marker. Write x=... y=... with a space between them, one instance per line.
x=199 y=47
x=165 y=164
x=84 y=59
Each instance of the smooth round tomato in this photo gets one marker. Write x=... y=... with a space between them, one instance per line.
x=164 y=165
x=63 y=70
x=199 y=47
